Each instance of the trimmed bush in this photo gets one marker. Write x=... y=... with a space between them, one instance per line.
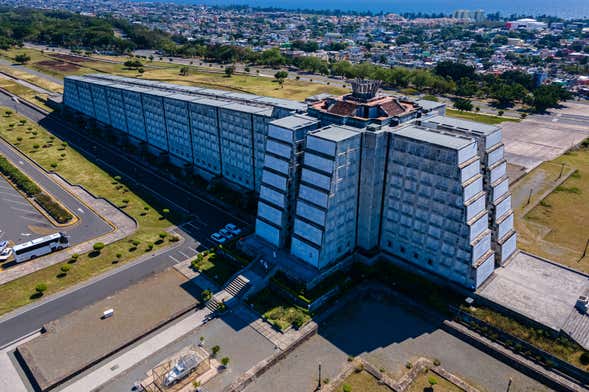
x=98 y=246
x=40 y=288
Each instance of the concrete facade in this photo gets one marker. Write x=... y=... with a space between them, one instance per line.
x=362 y=172
x=216 y=133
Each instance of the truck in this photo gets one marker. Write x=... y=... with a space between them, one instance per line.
x=186 y=365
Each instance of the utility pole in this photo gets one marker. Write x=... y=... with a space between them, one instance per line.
x=530 y=197
x=561 y=171
x=319 y=383
x=584 y=251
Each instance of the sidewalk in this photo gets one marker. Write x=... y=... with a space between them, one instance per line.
x=123 y=226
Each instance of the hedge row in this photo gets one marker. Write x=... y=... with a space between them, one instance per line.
x=54 y=209
x=18 y=178
x=31 y=189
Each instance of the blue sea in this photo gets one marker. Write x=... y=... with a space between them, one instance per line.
x=564 y=8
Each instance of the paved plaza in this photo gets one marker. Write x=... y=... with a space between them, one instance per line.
x=387 y=336
x=542 y=138
x=541 y=290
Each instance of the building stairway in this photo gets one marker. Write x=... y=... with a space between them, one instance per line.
x=237 y=286
x=577 y=328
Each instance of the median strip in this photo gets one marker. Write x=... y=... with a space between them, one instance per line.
x=34 y=192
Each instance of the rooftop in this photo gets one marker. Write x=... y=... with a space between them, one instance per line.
x=336 y=133
x=463 y=125
x=295 y=121
x=423 y=134
x=81 y=338
x=153 y=86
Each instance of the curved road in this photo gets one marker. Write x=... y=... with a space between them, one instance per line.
x=206 y=218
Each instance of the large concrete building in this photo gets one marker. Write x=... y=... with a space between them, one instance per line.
x=361 y=173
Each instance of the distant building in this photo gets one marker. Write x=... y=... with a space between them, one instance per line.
x=361 y=173
x=526 y=24
x=475 y=16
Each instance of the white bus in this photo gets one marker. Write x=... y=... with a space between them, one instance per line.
x=39 y=247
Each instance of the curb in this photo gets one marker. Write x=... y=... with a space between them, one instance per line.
x=33 y=202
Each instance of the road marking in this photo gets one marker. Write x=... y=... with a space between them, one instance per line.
x=183 y=254
x=21 y=209
x=175 y=259
x=25 y=234
x=81 y=211
x=192 y=250
x=32 y=219
x=555 y=120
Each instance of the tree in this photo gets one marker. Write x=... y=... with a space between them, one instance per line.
x=346 y=388
x=185 y=71
x=280 y=76
x=463 y=104
x=22 y=58
x=98 y=246
x=229 y=70
x=432 y=381
x=215 y=349
x=133 y=64
x=141 y=70
x=65 y=269
x=225 y=361
x=40 y=288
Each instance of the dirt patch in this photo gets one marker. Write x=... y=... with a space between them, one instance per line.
x=67 y=57
x=59 y=66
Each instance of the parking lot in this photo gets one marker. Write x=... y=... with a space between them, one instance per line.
x=19 y=220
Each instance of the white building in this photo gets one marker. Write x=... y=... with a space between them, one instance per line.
x=363 y=173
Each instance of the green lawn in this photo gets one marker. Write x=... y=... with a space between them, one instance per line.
x=216 y=267
x=78 y=170
x=362 y=381
x=278 y=311
x=422 y=384
x=562 y=348
x=170 y=72
x=482 y=118
x=557 y=227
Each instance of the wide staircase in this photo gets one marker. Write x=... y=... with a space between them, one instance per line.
x=577 y=328
x=236 y=287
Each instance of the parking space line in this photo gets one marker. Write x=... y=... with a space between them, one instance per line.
x=183 y=254
x=175 y=259
x=21 y=209
x=33 y=219
x=24 y=203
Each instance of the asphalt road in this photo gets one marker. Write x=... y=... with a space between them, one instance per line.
x=19 y=221
x=90 y=224
x=205 y=219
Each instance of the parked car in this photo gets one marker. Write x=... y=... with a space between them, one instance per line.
x=226 y=233
x=3 y=245
x=5 y=254
x=218 y=238
x=236 y=231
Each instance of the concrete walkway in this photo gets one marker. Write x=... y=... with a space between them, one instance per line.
x=10 y=379
x=127 y=360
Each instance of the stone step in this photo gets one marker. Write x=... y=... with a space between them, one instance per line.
x=237 y=286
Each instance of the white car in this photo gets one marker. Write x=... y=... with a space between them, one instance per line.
x=218 y=238
x=3 y=245
x=5 y=254
x=233 y=229
x=226 y=233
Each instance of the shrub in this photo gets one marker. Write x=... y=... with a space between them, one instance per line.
x=206 y=295
x=53 y=165
x=215 y=349
x=98 y=246
x=437 y=362
x=225 y=361
x=346 y=388
x=432 y=380
x=40 y=288
x=21 y=181
x=57 y=212
x=174 y=238
x=585 y=358
x=149 y=246
x=163 y=235
x=65 y=268
x=135 y=242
